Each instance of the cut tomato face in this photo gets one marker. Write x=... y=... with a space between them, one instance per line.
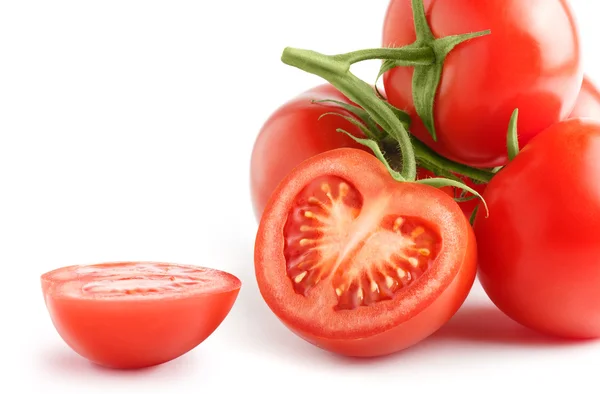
x=357 y=263
x=137 y=314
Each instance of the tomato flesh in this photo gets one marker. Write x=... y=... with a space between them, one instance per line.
x=531 y=61
x=320 y=244
x=538 y=249
x=137 y=314
x=357 y=263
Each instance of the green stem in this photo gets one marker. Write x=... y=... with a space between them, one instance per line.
x=432 y=160
x=337 y=72
x=404 y=56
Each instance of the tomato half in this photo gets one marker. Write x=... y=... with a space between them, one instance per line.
x=292 y=134
x=588 y=101
x=357 y=263
x=531 y=61
x=538 y=249
x=137 y=314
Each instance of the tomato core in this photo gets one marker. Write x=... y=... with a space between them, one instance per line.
x=362 y=259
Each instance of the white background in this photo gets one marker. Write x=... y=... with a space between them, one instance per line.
x=126 y=129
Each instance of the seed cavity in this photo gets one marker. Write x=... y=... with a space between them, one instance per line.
x=392 y=256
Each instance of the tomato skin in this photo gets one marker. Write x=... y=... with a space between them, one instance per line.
x=294 y=133
x=588 y=101
x=135 y=333
x=538 y=250
x=382 y=328
x=523 y=64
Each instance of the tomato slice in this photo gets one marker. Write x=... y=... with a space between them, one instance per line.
x=137 y=314
x=357 y=263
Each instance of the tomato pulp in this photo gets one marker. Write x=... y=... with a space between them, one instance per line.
x=528 y=62
x=357 y=263
x=538 y=249
x=137 y=314
x=294 y=133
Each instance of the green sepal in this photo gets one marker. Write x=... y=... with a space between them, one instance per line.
x=427 y=77
x=473 y=216
x=513 y=138
x=356 y=111
x=377 y=152
x=443 y=182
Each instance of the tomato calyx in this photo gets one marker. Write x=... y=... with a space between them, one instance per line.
x=374 y=110
x=426 y=77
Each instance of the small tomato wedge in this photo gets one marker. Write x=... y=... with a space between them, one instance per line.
x=538 y=249
x=357 y=263
x=137 y=314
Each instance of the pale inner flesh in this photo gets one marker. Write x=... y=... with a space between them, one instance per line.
x=364 y=254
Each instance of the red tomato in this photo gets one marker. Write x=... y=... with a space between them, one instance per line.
x=538 y=249
x=531 y=61
x=588 y=102
x=467 y=206
x=357 y=263
x=292 y=134
x=137 y=314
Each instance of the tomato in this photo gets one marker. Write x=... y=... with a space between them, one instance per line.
x=467 y=206
x=357 y=263
x=137 y=314
x=528 y=62
x=538 y=249
x=588 y=102
x=294 y=133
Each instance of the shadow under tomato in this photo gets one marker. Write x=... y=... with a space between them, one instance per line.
x=67 y=363
x=255 y=326
x=486 y=323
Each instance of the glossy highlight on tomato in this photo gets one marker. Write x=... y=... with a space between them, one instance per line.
x=137 y=314
x=530 y=61
x=538 y=249
x=357 y=263
x=293 y=133
x=588 y=101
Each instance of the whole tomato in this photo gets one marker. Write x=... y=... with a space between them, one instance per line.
x=294 y=133
x=531 y=61
x=538 y=251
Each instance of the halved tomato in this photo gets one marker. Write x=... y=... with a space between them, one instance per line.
x=137 y=314
x=358 y=263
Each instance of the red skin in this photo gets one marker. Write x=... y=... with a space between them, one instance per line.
x=385 y=326
x=523 y=64
x=538 y=250
x=294 y=133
